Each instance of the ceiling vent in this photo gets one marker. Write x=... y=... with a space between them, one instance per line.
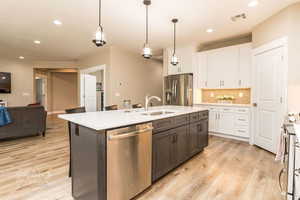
x=238 y=17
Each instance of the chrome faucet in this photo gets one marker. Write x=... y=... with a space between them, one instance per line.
x=148 y=99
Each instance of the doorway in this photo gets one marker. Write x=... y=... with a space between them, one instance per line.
x=41 y=90
x=270 y=93
x=92 y=88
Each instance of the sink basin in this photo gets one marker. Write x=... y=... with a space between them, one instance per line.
x=155 y=113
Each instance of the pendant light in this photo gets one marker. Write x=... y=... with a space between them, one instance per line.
x=174 y=59
x=99 y=40
x=147 y=52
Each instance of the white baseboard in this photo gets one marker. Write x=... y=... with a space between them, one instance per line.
x=56 y=112
x=229 y=136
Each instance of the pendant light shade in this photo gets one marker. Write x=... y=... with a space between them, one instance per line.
x=174 y=58
x=100 y=39
x=147 y=52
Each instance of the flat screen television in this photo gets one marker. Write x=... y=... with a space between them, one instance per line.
x=5 y=82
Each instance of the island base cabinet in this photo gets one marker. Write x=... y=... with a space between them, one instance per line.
x=176 y=145
x=88 y=164
x=161 y=157
x=169 y=150
x=198 y=137
x=203 y=136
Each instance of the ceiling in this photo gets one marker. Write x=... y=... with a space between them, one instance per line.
x=124 y=24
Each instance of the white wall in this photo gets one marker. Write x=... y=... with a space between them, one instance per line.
x=285 y=23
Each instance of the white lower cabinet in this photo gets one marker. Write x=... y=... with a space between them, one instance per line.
x=212 y=122
x=226 y=123
x=231 y=121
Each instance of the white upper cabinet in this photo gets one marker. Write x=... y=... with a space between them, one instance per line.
x=186 y=57
x=245 y=65
x=213 y=69
x=228 y=67
x=200 y=73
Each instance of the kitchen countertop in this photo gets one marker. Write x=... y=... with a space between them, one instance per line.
x=225 y=104
x=118 y=118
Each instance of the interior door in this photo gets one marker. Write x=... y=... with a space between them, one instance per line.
x=89 y=95
x=269 y=73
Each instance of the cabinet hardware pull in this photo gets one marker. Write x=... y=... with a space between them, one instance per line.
x=76 y=130
x=242 y=120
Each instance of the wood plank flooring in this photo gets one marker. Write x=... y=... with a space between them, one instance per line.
x=36 y=168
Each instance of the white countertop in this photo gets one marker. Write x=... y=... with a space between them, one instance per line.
x=224 y=104
x=118 y=118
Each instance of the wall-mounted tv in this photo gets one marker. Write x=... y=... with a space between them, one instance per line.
x=5 y=82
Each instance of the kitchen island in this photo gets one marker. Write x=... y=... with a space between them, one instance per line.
x=118 y=154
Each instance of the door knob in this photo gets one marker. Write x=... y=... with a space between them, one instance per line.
x=254 y=104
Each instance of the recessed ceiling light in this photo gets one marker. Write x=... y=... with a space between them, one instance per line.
x=21 y=57
x=210 y=30
x=57 y=22
x=37 y=42
x=253 y=3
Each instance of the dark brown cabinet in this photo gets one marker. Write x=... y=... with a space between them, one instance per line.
x=194 y=146
x=174 y=146
x=203 y=134
x=162 y=154
x=169 y=150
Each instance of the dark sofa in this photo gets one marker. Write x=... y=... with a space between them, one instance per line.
x=27 y=121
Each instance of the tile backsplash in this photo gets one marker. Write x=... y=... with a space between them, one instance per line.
x=241 y=95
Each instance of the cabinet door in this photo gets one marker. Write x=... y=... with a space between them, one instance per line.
x=162 y=154
x=181 y=144
x=244 y=80
x=213 y=69
x=194 y=139
x=203 y=135
x=226 y=123
x=202 y=70
x=230 y=66
x=213 y=121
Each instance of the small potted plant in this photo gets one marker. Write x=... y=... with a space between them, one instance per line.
x=225 y=99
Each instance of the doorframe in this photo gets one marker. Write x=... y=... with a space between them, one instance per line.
x=281 y=42
x=91 y=70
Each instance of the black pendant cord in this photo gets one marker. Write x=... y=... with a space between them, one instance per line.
x=174 y=52
x=100 y=6
x=147 y=25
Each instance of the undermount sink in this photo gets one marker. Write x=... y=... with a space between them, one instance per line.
x=155 y=113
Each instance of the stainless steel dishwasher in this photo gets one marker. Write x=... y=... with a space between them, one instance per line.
x=129 y=160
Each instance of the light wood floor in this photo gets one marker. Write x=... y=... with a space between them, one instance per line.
x=36 y=168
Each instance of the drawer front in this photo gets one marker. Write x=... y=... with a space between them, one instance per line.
x=213 y=109
x=241 y=119
x=194 y=117
x=181 y=120
x=227 y=109
x=242 y=110
x=203 y=115
x=162 y=124
x=242 y=131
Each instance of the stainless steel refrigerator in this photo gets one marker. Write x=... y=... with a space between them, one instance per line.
x=178 y=90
